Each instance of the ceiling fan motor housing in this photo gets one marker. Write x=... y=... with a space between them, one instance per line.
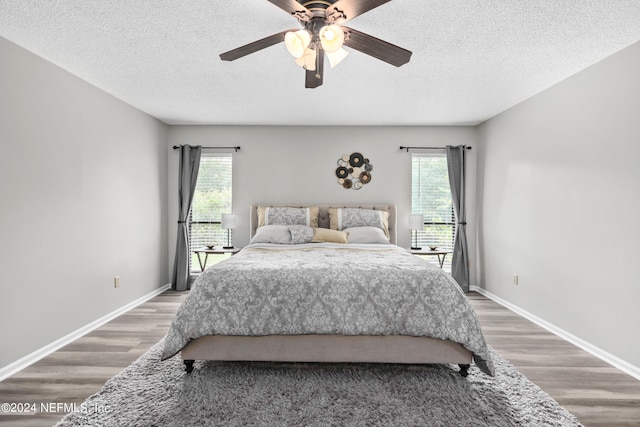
x=319 y=10
x=316 y=5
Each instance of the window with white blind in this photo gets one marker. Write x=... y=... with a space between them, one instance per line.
x=431 y=197
x=211 y=199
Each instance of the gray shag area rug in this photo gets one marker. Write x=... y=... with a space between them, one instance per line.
x=155 y=393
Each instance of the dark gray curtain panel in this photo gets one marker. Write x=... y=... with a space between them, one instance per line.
x=460 y=257
x=188 y=176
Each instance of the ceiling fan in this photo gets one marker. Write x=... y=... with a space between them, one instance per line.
x=324 y=33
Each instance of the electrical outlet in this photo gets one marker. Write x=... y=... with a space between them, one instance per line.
x=515 y=279
x=116 y=282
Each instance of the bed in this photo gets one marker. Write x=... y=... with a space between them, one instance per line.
x=327 y=284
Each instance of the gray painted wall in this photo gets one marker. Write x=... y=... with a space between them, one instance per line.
x=559 y=186
x=280 y=164
x=83 y=196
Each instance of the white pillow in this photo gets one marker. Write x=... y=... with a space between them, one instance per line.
x=278 y=234
x=366 y=235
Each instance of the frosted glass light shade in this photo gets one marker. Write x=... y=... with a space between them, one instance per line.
x=416 y=222
x=336 y=57
x=331 y=38
x=296 y=42
x=228 y=221
x=308 y=60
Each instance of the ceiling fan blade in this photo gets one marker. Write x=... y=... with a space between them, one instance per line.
x=380 y=49
x=293 y=8
x=257 y=45
x=345 y=10
x=313 y=79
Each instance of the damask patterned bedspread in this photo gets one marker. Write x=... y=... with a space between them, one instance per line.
x=325 y=288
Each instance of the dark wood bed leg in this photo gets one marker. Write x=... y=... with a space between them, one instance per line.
x=188 y=366
x=464 y=370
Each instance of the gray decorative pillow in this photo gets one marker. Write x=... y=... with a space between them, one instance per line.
x=342 y=218
x=301 y=234
x=280 y=215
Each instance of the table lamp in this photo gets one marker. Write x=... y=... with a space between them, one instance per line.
x=416 y=222
x=228 y=222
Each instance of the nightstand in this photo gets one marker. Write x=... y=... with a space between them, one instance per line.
x=441 y=254
x=219 y=250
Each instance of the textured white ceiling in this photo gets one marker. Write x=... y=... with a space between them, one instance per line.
x=471 y=59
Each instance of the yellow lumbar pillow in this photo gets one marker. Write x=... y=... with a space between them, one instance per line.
x=330 y=236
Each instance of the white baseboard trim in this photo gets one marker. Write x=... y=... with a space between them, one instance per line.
x=30 y=359
x=605 y=356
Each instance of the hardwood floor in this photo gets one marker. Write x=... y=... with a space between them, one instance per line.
x=80 y=369
x=598 y=394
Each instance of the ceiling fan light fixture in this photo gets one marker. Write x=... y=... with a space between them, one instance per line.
x=331 y=38
x=296 y=42
x=307 y=60
x=322 y=33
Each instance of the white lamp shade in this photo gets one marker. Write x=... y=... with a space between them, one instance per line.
x=296 y=42
x=228 y=221
x=331 y=38
x=308 y=60
x=416 y=222
x=337 y=56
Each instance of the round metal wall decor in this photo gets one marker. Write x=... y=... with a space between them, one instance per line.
x=353 y=171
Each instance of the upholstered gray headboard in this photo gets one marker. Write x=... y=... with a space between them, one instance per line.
x=323 y=215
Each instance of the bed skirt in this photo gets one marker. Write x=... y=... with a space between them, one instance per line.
x=327 y=348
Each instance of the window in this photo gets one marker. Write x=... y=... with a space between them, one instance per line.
x=431 y=197
x=211 y=199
